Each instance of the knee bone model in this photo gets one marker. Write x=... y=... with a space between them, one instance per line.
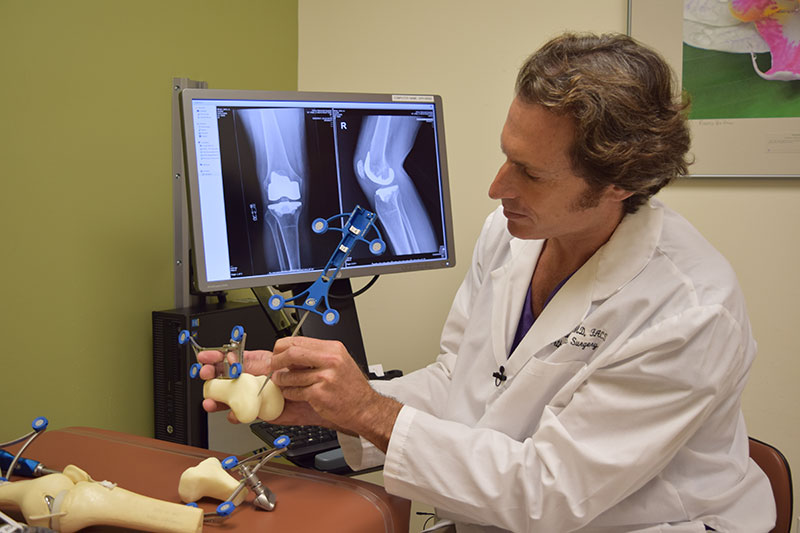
x=71 y=501
x=208 y=479
x=242 y=396
x=92 y=503
x=30 y=496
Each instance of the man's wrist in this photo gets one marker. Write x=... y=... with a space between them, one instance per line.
x=377 y=421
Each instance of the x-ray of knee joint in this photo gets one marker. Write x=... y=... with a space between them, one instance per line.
x=263 y=166
x=277 y=137
x=383 y=145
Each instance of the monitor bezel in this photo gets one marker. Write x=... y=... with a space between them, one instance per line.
x=198 y=252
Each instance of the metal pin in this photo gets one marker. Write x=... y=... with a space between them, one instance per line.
x=294 y=334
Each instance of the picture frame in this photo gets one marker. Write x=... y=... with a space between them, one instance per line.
x=733 y=138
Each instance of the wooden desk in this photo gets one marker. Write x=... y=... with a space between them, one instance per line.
x=307 y=501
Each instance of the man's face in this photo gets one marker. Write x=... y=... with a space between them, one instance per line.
x=541 y=195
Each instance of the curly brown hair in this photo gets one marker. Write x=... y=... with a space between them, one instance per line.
x=631 y=127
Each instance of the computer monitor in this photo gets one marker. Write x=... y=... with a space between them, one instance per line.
x=261 y=166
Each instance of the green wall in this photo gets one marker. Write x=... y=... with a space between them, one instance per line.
x=86 y=197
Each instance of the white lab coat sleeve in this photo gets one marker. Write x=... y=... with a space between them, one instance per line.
x=615 y=433
x=426 y=389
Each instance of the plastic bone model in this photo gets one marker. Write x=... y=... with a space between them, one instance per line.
x=209 y=478
x=248 y=396
x=383 y=145
x=71 y=501
x=242 y=396
x=277 y=137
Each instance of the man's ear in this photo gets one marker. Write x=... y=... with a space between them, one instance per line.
x=618 y=194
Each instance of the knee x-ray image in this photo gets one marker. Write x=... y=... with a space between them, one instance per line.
x=383 y=145
x=284 y=167
x=269 y=158
x=278 y=141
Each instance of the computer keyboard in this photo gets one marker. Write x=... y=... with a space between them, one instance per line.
x=306 y=441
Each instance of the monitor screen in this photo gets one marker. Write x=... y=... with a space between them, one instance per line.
x=261 y=166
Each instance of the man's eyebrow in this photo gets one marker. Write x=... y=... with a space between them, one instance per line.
x=527 y=166
x=510 y=158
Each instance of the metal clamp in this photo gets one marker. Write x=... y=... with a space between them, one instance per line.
x=264 y=498
x=236 y=344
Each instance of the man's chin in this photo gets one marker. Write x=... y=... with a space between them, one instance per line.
x=520 y=231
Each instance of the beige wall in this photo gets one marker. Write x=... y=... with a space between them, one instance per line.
x=86 y=188
x=468 y=51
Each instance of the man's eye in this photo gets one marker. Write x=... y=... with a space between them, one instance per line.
x=522 y=170
x=531 y=176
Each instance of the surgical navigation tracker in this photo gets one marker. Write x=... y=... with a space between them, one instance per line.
x=236 y=344
x=357 y=225
x=264 y=498
x=212 y=478
x=16 y=463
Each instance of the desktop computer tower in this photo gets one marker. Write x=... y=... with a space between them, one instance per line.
x=179 y=415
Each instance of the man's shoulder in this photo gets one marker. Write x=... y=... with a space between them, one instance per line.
x=695 y=262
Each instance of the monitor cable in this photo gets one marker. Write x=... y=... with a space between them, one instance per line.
x=359 y=292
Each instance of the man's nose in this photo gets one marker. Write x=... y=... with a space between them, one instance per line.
x=500 y=187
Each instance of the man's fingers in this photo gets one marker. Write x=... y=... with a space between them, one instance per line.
x=209 y=357
x=212 y=406
x=299 y=352
x=295 y=378
x=294 y=356
x=295 y=394
x=208 y=372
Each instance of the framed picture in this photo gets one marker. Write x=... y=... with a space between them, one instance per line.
x=741 y=78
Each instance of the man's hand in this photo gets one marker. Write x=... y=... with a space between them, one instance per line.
x=324 y=375
x=256 y=362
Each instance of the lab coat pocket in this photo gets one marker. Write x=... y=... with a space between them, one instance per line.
x=517 y=406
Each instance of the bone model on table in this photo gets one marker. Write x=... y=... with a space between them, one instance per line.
x=211 y=479
x=71 y=500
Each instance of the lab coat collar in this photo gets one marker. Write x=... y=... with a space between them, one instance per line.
x=610 y=268
x=629 y=249
x=509 y=283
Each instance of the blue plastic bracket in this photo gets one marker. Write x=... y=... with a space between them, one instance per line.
x=315 y=298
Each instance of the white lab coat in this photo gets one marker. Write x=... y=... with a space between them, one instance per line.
x=621 y=407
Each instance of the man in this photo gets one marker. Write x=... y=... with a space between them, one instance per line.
x=593 y=361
